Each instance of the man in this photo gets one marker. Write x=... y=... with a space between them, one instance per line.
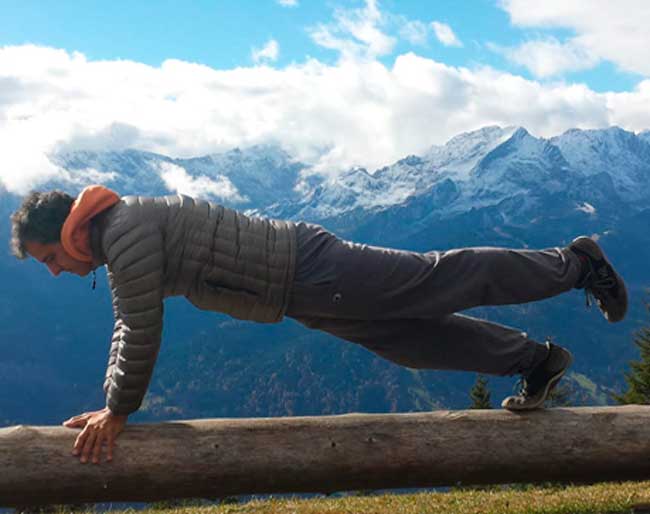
x=401 y=305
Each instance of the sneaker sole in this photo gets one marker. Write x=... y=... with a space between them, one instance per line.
x=588 y=245
x=551 y=383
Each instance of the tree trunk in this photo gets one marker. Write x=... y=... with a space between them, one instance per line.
x=214 y=458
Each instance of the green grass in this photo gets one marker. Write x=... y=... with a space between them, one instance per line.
x=605 y=498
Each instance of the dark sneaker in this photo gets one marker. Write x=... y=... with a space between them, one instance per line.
x=600 y=280
x=543 y=378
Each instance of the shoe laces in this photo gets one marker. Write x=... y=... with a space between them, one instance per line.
x=521 y=387
x=596 y=282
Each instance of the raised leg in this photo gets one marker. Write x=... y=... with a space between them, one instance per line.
x=344 y=280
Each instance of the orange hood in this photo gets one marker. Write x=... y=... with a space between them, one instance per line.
x=75 y=234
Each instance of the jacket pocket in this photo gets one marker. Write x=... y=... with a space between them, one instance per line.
x=230 y=291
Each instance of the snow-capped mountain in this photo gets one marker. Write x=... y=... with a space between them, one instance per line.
x=494 y=182
x=598 y=168
x=516 y=180
x=518 y=183
x=622 y=155
x=590 y=171
x=251 y=178
x=460 y=156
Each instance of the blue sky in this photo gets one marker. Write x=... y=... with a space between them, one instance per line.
x=223 y=34
x=337 y=83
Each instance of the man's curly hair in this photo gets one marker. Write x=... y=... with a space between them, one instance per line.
x=39 y=219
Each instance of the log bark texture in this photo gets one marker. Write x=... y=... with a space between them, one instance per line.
x=214 y=458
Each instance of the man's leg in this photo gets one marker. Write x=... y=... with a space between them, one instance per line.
x=458 y=342
x=344 y=280
x=402 y=305
x=454 y=342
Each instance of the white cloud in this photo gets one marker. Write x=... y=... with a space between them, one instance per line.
x=613 y=31
x=355 y=33
x=631 y=110
x=177 y=179
x=85 y=176
x=288 y=3
x=445 y=34
x=357 y=111
x=414 y=31
x=549 y=57
x=269 y=52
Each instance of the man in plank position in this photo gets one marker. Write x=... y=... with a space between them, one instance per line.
x=401 y=305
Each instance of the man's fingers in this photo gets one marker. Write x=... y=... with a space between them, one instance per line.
x=100 y=428
x=79 y=442
x=97 y=450
x=74 y=423
x=88 y=446
x=110 y=442
x=79 y=420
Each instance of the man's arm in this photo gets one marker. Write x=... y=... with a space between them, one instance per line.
x=135 y=274
x=136 y=268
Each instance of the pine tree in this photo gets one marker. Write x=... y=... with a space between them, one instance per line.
x=480 y=394
x=638 y=378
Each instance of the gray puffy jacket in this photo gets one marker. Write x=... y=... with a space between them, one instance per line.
x=218 y=258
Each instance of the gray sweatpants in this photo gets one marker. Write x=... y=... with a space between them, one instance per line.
x=404 y=305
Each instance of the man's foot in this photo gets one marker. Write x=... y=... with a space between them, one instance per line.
x=599 y=279
x=540 y=382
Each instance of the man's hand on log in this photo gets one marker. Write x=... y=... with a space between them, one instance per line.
x=99 y=427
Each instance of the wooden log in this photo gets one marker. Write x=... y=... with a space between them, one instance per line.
x=213 y=458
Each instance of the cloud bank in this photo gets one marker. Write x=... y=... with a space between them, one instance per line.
x=604 y=30
x=362 y=110
x=356 y=112
x=549 y=57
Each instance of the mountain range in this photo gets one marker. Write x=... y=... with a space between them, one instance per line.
x=491 y=187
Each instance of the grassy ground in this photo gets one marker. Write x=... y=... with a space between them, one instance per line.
x=606 y=498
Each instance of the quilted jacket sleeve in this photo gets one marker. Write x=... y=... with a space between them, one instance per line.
x=135 y=261
x=112 y=354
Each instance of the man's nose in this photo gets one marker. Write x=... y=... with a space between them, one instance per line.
x=54 y=268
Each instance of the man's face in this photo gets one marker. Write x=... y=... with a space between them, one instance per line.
x=57 y=259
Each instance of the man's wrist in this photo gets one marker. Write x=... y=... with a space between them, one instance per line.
x=116 y=416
